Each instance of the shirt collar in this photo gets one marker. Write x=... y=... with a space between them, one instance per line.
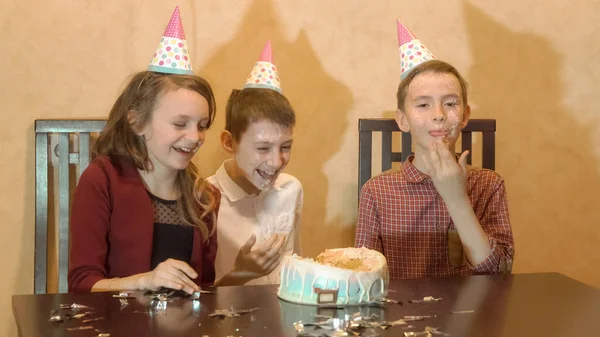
x=412 y=174
x=232 y=190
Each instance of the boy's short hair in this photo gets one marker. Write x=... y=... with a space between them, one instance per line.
x=434 y=66
x=255 y=104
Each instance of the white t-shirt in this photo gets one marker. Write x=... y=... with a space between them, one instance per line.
x=275 y=211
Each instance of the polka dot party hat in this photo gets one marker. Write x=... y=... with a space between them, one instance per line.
x=172 y=56
x=264 y=74
x=412 y=51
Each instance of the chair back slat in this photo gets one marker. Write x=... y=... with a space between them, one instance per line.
x=365 y=151
x=467 y=144
x=43 y=131
x=41 y=212
x=406 y=145
x=489 y=150
x=386 y=150
x=63 y=209
x=84 y=152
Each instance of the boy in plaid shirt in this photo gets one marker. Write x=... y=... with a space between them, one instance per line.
x=435 y=216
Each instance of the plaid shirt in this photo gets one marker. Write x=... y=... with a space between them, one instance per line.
x=402 y=215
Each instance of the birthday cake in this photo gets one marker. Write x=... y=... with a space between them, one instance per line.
x=341 y=276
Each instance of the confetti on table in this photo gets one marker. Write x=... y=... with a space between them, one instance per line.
x=231 y=312
x=426 y=299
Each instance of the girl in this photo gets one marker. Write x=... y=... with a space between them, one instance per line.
x=135 y=204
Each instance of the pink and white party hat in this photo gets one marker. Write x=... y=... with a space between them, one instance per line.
x=412 y=51
x=264 y=74
x=172 y=54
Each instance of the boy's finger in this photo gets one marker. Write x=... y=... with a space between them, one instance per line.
x=247 y=247
x=271 y=266
x=444 y=153
x=274 y=253
x=278 y=244
x=434 y=158
x=264 y=247
x=462 y=161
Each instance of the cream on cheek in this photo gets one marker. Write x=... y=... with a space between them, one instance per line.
x=418 y=123
x=420 y=126
x=248 y=160
x=454 y=120
x=454 y=114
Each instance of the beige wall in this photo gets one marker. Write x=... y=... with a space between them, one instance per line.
x=533 y=65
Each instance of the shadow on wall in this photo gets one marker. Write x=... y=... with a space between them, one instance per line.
x=544 y=154
x=321 y=104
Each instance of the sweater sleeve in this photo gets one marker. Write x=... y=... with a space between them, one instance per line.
x=89 y=226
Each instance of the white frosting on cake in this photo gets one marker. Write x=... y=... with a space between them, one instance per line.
x=303 y=279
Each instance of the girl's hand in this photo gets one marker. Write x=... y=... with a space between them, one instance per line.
x=172 y=274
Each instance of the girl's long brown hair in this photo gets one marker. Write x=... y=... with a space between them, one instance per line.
x=119 y=141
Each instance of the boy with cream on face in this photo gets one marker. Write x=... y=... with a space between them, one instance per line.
x=259 y=218
x=435 y=216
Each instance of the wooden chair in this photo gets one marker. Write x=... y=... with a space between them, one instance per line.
x=366 y=127
x=43 y=155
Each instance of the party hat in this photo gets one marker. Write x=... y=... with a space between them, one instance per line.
x=412 y=51
x=172 y=55
x=264 y=74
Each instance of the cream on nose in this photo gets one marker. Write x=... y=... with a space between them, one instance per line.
x=275 y=160
x=439 y=115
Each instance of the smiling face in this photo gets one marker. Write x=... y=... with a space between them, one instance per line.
x=260 y=155
x=176 y=129
x=434 y=109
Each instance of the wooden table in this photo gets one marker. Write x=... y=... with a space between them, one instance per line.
x=545 y=304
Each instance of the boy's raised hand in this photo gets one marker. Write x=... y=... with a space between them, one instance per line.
x=262 y=260
x=449 y=177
